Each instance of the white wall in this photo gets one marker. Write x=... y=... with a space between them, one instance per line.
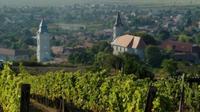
x=119 y=49
x=43 y=47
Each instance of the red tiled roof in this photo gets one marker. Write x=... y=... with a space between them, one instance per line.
x=57 y=49
x=129 y=41
x=7 y=52
x=177 y=46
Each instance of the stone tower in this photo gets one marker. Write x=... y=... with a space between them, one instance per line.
x=118 y=27
x=43 y=47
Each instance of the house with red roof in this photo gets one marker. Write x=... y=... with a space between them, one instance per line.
x=182 y=51
x=14 y=55
x=7 y=54
x=176 y=46
x=130 y=44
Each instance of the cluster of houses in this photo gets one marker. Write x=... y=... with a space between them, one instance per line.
x=43 y=48
x=135 y=45
x=120 y=42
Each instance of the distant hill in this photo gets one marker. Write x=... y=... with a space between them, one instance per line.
x=69 y=2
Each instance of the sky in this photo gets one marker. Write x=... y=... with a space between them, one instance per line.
x=69 y=2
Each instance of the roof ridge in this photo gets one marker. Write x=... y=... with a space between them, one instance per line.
x=131 y=43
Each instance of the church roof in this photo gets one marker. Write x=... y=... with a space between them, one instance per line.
x=129 y=41
x=43 y=26
x=118 y=21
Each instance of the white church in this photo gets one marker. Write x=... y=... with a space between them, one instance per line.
x=43 y=43
x=122 y=43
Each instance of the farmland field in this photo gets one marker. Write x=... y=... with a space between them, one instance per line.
x=66 y=26
x=76 y=26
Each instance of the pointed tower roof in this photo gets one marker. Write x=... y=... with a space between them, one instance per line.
x=118 y=21
x=43 y=26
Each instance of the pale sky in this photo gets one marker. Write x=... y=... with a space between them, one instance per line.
x=68 y=2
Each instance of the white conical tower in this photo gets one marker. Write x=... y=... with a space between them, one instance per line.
x=43 y=47
x=118 y=27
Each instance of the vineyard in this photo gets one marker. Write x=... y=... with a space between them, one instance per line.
x=98 y=92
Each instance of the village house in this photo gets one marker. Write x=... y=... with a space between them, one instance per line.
x=7 y=54
x=182 y=51
x=126 y=43
x=57 y=50
x=130 y=44
x=176 y=46
x=14 y=55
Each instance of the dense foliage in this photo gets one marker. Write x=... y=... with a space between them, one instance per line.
x=9 y=90
x=98 y=91
x=153 y=55
x=86 y=56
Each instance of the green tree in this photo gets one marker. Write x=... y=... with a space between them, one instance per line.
x=102 y=46
x=104 y=60
x=184 y=38
x=197 y=38
x=87 y=56
x=81 y=57
x=169 y=66
x=163 y=34
x=132 y=65
x=107 y=61
x=153 y=56
x=148 y=39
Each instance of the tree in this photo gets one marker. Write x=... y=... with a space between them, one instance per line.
x=101 y=51
x=163 y=34
x=197 y=39
x=81 y=57
x=153 y=56
x=148 y=39
x=30 y=41
x=184 y=38
x=132 y=65
x=189 y=21
x=102 y=46
x=169 y=66
x=103 y=60
x=107 y=61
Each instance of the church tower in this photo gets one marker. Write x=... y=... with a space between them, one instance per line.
x=118 y=27
x=43 y=47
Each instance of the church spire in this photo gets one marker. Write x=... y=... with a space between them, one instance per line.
x=43 y=26
x=118 y=21
x=43 y=43
x=118 y=27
